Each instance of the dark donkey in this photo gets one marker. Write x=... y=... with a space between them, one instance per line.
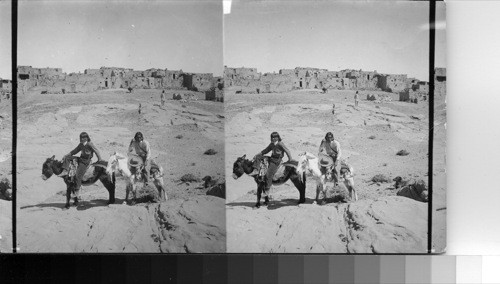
x=245 y=166
x=96 y=171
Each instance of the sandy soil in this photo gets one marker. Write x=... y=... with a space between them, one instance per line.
x=179 y=135
x=5 y=172
x=370 y=136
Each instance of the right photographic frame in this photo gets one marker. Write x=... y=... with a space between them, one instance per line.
x=335 y=131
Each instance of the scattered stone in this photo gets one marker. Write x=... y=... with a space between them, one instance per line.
x=416 y=191
x=189 y=178
x=210 y=152
x=218 y=190
x=380 y=178
x=402 y=153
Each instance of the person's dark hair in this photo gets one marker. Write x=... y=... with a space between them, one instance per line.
x=85 y=135
x=329 y=134
x=138 y=135
x=276 y=134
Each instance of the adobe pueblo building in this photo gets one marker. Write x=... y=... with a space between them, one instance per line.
x=53 y=80
x=248 y=80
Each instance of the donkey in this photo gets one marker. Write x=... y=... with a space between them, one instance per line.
x=118 y=163
x=95 y=172
x=310 y=163
x=286 y=171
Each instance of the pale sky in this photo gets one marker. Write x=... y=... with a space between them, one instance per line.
x=387 y=36
x=5 y=40
x=163 y=34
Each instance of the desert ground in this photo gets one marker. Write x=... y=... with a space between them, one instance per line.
x=179 y=135
x=5 y=173
x=370 y=135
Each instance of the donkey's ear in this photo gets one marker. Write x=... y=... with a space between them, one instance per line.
x=244 y=156
x=53 y=157
x=114 y=153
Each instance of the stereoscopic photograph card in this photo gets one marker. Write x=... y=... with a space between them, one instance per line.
x=120 y=127
x=329 y=132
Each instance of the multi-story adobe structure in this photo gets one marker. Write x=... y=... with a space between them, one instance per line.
x=53 y=80
x=250 y=81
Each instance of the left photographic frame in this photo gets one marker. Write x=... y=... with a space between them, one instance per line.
x=105 y=90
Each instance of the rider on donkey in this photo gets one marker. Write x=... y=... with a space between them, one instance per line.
x=278 y=150
x=330 y=147
x=142 y=149
x=87 y=149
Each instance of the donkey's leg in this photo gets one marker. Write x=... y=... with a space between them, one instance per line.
x=110 y=186
x=158 y=182
x=68 y=196
x=128 y=188
x=134 y=193
x=323 y=189
x=349 y=184
x=77 y=195
x=259 y=193
x=318 y=189
x=301 y=187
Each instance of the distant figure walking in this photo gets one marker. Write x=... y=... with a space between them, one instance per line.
x=139 y=108
x=333 y=109
x=162 y=98
x=356 y=99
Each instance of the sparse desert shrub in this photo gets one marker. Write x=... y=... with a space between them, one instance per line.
x=380 y=178
x=371 y=137
x=147 y=194
x=403 y=153
x=179 y=136
x=189 y=178
x=210 y=152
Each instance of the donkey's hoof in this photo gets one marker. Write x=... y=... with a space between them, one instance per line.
x=302 y=201
x=124 y=202
x=66 y=207
x=315 y=203
x=257 y=205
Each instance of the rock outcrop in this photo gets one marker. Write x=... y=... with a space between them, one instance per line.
x=386 y=225
x=196 y=225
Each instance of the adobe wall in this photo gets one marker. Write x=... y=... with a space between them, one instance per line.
x=249 y=81
x=54 y=80
x=275 y=83
x=6 y=85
